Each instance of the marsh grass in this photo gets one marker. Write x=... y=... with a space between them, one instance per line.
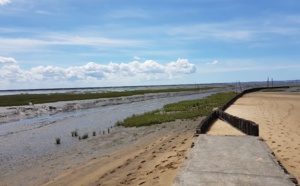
x=181 y=110
x=274 y=90
x=85 y=136
x=74 y=133
x=24 y=99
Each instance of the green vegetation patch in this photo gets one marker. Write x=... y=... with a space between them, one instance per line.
x=181 y=110
x=24 y=99
x=274 y=90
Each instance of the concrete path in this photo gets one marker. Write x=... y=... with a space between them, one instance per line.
x=231 y=160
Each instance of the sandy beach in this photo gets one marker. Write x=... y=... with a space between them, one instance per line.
x=277 y=114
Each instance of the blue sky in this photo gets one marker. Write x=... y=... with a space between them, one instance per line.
x=69 y=43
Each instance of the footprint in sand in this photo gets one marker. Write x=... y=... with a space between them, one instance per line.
x=142 y=183
x=143 y=161
x=113 y=171
x=132 y=179
x=149 y=172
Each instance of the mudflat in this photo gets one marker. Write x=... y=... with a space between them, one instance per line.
x=277 y=114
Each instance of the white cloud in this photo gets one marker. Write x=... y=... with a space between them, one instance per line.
x=230 y=31
x=213 y=62
x=238 y=30
x=181 y=66
x=4 y=2
x=47 y=40
x=236 y=65
x=136 y=58
x=7 y=60
x=42 y=12
x=137 y=71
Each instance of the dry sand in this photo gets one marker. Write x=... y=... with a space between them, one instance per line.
x=220 y=127
x=129 y=156
x=278 y=116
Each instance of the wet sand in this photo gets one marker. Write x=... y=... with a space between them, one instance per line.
x=277 y=114
x=128 y=156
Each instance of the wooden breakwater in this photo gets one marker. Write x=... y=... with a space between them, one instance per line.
x=246 y=126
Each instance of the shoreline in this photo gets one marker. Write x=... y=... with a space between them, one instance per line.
x=111 y=157
x=17 y=113
x=28 y=151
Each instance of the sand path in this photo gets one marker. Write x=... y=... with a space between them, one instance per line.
x=278 y=116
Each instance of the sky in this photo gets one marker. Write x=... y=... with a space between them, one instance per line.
x=100 y=43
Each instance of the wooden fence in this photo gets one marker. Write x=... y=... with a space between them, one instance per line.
x=246 y=126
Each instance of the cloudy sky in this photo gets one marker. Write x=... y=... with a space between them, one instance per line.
x=70 y=43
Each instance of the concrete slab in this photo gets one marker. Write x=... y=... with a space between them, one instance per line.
x=231 y=160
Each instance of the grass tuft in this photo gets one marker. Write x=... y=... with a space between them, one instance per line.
x=57 y=141
x=85 y=136
x=74 y=133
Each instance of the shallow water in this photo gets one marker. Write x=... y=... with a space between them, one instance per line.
x=36 y=136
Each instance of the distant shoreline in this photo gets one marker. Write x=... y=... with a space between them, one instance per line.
x=258 y=83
